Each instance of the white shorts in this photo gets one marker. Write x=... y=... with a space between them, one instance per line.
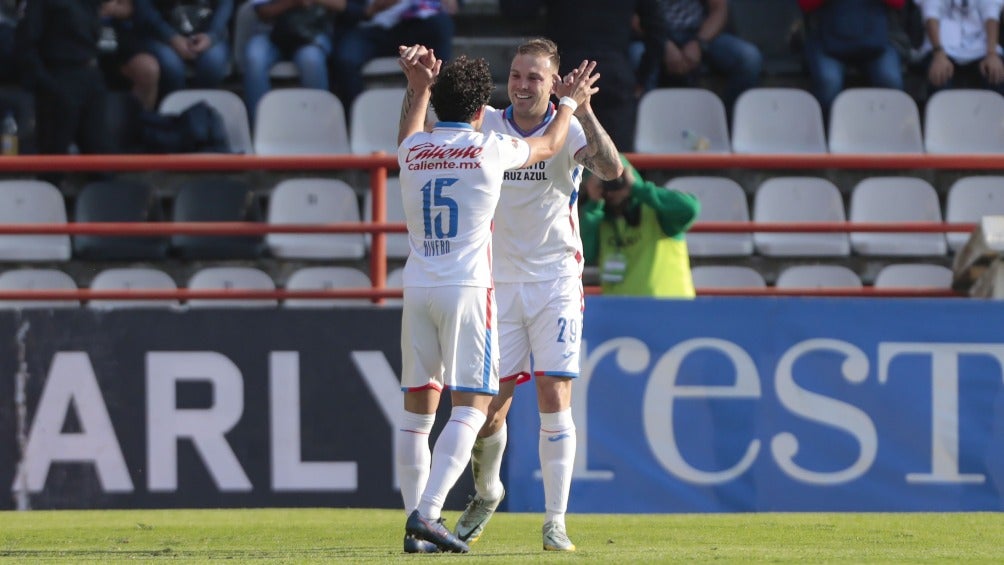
x=542 y=319
x=448 y=339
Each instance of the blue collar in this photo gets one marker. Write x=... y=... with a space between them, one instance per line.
x=526 y=133
x=455 y=125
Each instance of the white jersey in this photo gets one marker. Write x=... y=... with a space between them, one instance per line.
x=962 y=26
x=537 y=223
x=450 y=184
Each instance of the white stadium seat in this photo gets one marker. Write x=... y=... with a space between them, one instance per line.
x=722 y=200
x=32 y=202
x=799 y=199
x=777 y=120
x=244 y=278
x=300 y=121
x=314 y=201
x=875 y=120
x=726 y=276
x=818 y=276
x=665 y=115
x=323 y=278
x=229 y=105
x=37 y=279
x=133 y=278
x=896 y=199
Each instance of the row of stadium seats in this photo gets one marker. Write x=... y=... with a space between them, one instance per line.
x=904 y=275
x=789 y=120
x=297 y=121
x=292 y=201
x=318 y=201
x=813 y=199
x=896 y=275
x=302 y=121
x=206 y=278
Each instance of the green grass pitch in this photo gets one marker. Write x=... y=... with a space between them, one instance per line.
x=374 y=536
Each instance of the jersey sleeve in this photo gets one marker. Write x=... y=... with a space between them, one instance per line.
x=513 y=152
x=575 y=141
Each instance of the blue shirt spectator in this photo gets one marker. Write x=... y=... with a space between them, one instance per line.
x=302 y=32
x=187 y=32
x=697 y=40
x=377 y=27
x=842 y=33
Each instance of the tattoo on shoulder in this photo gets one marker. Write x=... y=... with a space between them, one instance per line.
x=409 y=96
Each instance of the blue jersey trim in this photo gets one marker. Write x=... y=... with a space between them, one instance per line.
x=484 y=390
x=526 y=133
x=455 y=125
x=486 y=373
x=560 y=374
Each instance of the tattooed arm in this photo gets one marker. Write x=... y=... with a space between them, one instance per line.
x=421 y=68
x=600 y=154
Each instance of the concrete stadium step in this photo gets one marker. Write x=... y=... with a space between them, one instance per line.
x=498 y=51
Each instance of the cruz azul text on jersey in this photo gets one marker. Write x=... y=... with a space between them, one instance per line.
x=534 y=172
x=432 y=157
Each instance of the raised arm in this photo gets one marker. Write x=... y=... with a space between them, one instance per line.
x=574 y=90
x=600 y=154
x=421 y=67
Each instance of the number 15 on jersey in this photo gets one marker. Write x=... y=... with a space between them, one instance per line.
x=436 y=205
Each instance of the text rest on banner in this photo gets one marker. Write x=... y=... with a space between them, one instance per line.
x=732 y=404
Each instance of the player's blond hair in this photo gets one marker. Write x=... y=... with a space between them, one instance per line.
x=541 y=47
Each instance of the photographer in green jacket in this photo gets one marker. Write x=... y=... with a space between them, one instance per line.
x=634 y=231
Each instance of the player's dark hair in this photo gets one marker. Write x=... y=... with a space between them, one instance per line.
x=541 y=46
x=461 y=89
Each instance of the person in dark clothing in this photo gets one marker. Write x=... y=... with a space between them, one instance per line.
x=10 y=14
x=698 y=42
x=850 y=33
x=600 y=30
x=183 y=33
x=375 y=28
x=123 y=56
x=58 y=43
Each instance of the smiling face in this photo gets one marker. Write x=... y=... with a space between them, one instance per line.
x=532 y=80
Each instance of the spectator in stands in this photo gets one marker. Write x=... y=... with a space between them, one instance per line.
x=10 y=14
x=180 y=33
x=57 y=42
x=302 y=32
x=375 y=28
x=841 y=33
x=601 y=30
x=962 y=43
x=697 y=40
x=635 y=231
x=123 y=55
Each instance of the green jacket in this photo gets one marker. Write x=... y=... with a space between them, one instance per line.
x=649 y=238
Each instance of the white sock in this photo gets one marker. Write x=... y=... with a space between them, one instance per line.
x=413 y=456
x=449 y=458
x=487 y=463
x=557 y=456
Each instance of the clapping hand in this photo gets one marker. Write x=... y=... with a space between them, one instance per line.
x=578 y=84
x=420 y=65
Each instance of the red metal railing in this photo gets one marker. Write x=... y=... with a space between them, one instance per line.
x=378 y=166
